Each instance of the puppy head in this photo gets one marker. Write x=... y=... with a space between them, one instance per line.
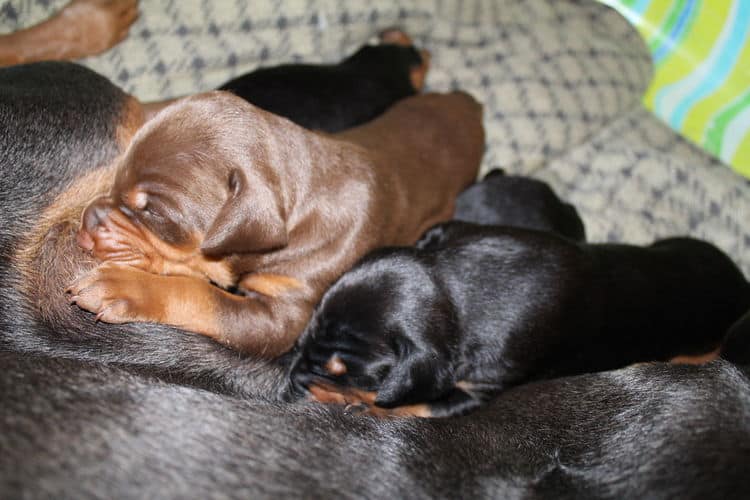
x=385 y=326
x=199 y=179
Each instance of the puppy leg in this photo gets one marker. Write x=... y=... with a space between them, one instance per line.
x=82 y=28
x=457 y=402
x=362 y=402
x=266 y=326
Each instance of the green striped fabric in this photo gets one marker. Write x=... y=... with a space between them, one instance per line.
x=701 y=83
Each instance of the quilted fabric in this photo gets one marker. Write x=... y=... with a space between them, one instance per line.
x=560 y=81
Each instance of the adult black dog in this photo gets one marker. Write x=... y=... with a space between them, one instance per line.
x=474 y=310
x=91 y=410
x=78 y=430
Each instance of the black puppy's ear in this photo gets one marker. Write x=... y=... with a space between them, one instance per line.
x=495 y=172
x=416 y=379
x=250 y=220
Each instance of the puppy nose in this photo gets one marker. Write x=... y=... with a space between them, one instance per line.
x=95 y=214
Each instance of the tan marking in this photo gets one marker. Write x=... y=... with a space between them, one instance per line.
x=335 y=366
x=124 y=294
x=465 y=385
x=327 y=393
x=269 y=284
x=65 y=209
x=697 y=359
x=418 y=75
x=68 y=205
x=132 y=117
x=395 y=36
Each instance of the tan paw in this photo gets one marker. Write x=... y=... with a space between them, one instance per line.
x=116 y=294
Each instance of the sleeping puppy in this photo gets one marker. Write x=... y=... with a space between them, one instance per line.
x=439 y=329
x=514 y=200
x=339 y=96
x=334 y=97
x=216 y=190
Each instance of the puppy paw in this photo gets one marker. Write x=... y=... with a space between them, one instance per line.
x=88 y=27
x=116 y=294
x=358 y=402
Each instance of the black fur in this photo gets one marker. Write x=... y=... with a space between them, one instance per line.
x=74 y=430
x=42 y=151
x=736 y=348
x=473 y=310
x=514 y=200
x=332 y=97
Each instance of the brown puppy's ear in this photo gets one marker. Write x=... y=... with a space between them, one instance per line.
x=249 y=221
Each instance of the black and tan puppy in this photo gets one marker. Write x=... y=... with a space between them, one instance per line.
x=518 y=201
x=474 y=310
x=334 y=97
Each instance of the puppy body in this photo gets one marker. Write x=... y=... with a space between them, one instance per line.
x=215 y=189
x=336 y=97
x=518 y=201
x=474 y=310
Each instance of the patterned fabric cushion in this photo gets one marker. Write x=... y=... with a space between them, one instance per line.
x=560 y=81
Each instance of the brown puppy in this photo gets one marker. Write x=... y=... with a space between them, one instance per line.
x=216 y=190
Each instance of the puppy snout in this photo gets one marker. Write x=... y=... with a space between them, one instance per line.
x=93 y=217
x=95 y=214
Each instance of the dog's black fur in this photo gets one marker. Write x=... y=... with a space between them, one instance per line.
x=92 y=410
x=473 y=310
x=514 y=200
x=333 y=97
x=79 y=430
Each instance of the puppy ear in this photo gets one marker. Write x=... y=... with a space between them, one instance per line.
x=495 y=172
x=250 y=220
x=416 y=379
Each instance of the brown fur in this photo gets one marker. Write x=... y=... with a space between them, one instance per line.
x=82 y=28
x=257 y=195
